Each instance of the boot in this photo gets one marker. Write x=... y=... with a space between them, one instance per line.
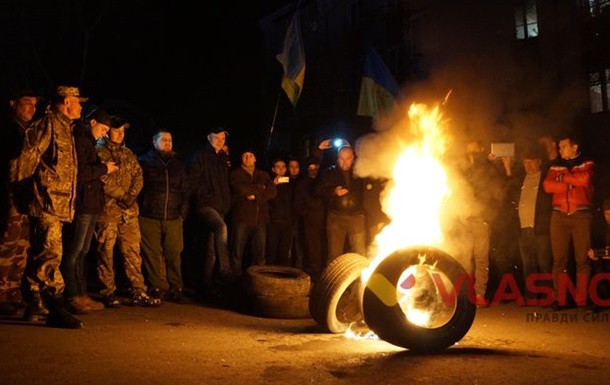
x=78 y=305
x=93 y=304
x=34 y=308
x=60 y=317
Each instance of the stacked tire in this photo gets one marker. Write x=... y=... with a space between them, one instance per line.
x=278 y=291
x=336 y=298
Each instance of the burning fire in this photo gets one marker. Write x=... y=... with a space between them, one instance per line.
x=412 y=201
x=413 y=206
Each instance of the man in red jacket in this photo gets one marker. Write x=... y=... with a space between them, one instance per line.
x=570 y=180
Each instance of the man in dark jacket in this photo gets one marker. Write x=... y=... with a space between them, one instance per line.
x=163 y=207
x=89 y=205
x=312 y=216
x=343 y=193
x=251 y=190
x=208 y=173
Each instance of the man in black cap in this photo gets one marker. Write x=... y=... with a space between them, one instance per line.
x=89 y=206
x=208 y=173
x=15 y=225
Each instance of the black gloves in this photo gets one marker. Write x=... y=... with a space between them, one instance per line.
x=127 y=202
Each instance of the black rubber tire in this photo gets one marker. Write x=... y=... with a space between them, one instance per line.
x=283 y=281
x=390 y=323
x=281 y=307
x=335 y=301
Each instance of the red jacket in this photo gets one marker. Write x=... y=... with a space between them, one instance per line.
x=571 y=183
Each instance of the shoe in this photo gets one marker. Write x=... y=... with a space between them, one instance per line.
x=93 y=304
x=34 y=309
x=78 y=305
x=139 y=298
x=156 y=293
x=111 y=302
x=177 y=296
x=62 y=318
x=481 y=301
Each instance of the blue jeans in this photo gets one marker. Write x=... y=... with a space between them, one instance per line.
x=535 y=252
x=340 y=227
x=241 y=233
x=74 y=261
x=217 y=248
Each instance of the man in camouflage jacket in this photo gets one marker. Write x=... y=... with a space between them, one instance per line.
x=54 y=188
x=119 y=220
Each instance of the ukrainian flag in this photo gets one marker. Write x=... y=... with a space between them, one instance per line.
x=292 y=59
x=378 y=90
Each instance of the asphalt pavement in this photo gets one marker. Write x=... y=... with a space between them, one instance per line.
x=209 y=344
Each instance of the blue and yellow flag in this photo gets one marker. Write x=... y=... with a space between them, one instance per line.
x=378 y=90
x=292 y=58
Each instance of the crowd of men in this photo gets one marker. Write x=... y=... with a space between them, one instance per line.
x=73 y=189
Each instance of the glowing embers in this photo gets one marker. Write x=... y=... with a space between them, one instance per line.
x=420 y=298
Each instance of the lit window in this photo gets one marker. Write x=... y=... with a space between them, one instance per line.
x=526 y=20
x=599 y=91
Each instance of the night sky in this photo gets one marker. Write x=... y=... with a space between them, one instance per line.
x=183 y=65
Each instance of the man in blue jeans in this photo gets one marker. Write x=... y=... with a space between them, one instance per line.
x=89 y=204
x=208 y=170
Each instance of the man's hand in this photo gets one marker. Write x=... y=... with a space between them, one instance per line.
x=112 y=167
x=127 y=202
x=340 y=191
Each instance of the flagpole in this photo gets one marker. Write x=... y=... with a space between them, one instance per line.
x=273 y=121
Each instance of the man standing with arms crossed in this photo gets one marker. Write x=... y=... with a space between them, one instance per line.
x=570 y=180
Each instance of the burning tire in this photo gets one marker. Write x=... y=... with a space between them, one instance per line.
x=335 y=301
x=417 y=298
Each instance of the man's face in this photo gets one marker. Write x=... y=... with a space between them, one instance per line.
x=248 y=159
x=73 y=107
x=567 y=149
x=293 y=168
x=98 y=129
x=117 y=135
x=279 y=168
x=163 y=142
x=217 y=141
x=345 y=159
x=24 y=108
x=312 y=170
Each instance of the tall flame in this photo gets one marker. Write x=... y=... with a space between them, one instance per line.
x=418 y=187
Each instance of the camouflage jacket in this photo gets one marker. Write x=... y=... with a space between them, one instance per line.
x=127 y=180
x=55 y=175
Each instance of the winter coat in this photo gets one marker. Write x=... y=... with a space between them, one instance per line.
x=55 y=174
x=122 y=184
x=89 y=186
x=165 y=191
x=244 y=184
x=209 y=175
x=572 y=184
